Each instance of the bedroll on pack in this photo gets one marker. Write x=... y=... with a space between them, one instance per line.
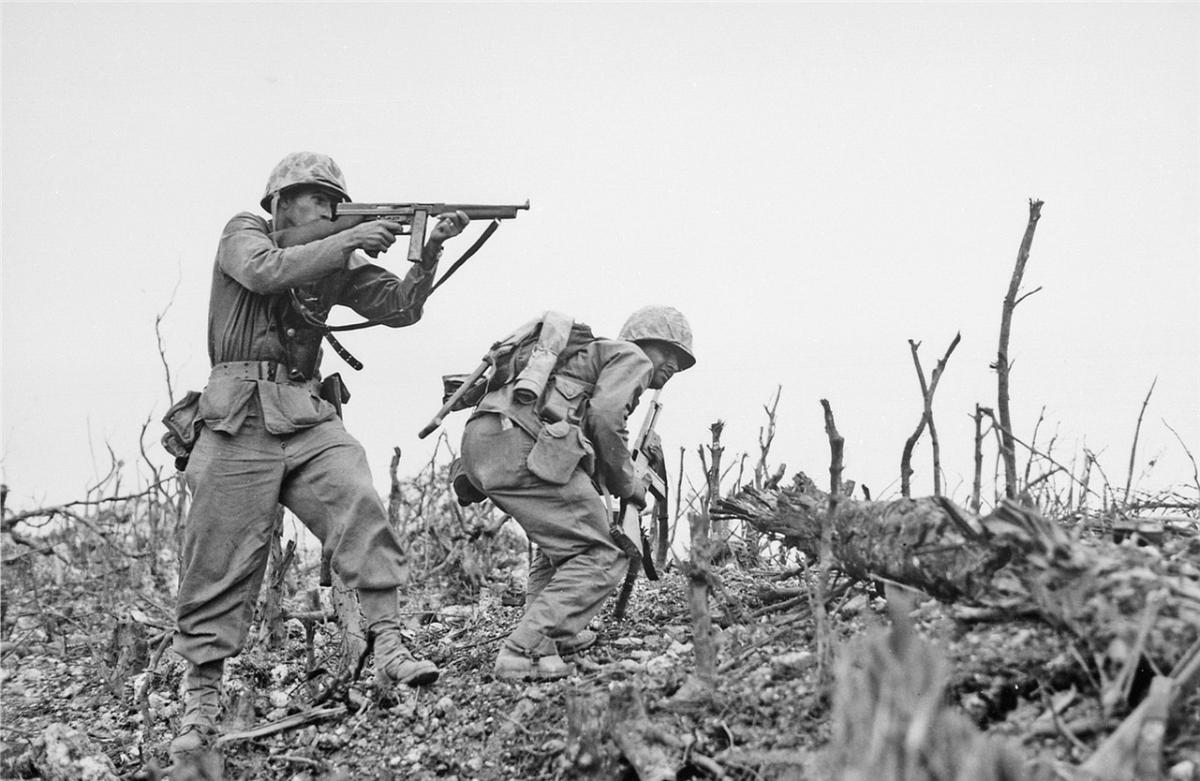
x=552 y=339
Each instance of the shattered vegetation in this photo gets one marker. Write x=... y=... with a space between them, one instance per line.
x=799 y=634
x=1025 y=671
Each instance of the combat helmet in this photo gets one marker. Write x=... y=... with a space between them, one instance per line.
x=305 y=168
x=664 y=324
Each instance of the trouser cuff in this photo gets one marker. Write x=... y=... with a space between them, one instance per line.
x=206 y=672
x=530 y=643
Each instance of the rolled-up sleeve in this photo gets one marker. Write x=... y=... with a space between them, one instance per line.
x=248 y=255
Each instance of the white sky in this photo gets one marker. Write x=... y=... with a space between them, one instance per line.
x=813 y=185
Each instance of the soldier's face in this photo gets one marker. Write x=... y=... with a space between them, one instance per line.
x=300 y=207
x=665 y=359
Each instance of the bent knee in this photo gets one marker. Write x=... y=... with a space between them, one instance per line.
x=612 y=563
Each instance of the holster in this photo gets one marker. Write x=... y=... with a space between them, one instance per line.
x=183 y=424
x=334 y=390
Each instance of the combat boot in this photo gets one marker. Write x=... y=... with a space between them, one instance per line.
x=201 y=706
x=542 y=665
x=580 y=641
x=394 y=663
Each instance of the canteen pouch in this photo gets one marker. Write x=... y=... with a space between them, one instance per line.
x=183 y=424
x=559 y=449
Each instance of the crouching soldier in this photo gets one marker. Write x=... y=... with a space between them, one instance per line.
x=547 y=464
x=268 y=436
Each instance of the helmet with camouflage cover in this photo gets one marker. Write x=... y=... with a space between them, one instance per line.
x=663 y=324
x=311 y=168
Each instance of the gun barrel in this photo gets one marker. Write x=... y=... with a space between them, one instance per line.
x=484 y=211
x=476 y=211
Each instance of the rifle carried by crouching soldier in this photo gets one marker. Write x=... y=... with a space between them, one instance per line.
x=547 y=441
x=628 y=530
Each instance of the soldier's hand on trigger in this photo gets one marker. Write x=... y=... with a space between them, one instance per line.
x=449 y=225
x=375 y=236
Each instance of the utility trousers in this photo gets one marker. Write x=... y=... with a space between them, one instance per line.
x=579 y=565
x=321 y=475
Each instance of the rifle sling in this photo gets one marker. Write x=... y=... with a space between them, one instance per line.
x=487 y=234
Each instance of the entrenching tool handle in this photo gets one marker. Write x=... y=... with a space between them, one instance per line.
x=453 y=400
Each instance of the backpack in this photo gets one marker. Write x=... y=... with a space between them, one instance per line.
x=510 y=357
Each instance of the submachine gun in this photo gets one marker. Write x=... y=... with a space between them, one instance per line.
x=628 y=531
x=415 y=216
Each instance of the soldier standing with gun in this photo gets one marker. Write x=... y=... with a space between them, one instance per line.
x=547 y=464
x=269 y=438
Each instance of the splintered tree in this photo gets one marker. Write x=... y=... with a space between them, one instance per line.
x=1002 y=365
x=927 y=391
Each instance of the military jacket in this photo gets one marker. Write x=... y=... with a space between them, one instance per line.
x=596 y=389
x=251 y=318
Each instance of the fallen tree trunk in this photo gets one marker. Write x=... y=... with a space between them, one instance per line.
x=914 y=542
x=1123 y=602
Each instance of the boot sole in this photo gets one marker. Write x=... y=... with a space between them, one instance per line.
x=422 y=676
x=530 y=674
x=421 y=679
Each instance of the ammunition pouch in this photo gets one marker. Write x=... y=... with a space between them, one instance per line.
x=183 y=424
x=566 y=398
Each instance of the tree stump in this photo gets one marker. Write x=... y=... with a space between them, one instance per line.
x=586 y=754
x=128 y=653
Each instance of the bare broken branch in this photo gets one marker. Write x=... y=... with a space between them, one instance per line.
x=927 y=391
x=1008 y=451
x=1136 y=432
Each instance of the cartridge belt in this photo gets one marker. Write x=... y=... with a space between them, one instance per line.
x=271 y=371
